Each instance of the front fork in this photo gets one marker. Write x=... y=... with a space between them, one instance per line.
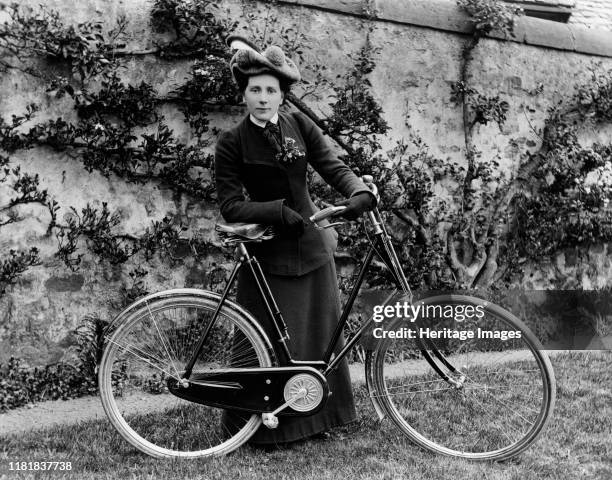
x=452 y=375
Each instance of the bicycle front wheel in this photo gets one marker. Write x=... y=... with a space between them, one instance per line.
x=490 y=392
x=152 y=345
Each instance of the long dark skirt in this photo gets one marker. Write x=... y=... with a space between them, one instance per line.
x=310 y=306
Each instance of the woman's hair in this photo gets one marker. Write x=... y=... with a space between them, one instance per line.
x=243 y=81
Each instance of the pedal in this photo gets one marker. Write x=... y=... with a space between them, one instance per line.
x=293 y=394
x=270 y=420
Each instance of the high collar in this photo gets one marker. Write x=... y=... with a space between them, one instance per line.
x=261 y=124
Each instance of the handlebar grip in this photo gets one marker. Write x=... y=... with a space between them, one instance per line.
x=326 y=213
x=369 y=181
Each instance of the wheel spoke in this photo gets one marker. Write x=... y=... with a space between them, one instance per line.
x=490 y=410
x=135 y=350
x=161 y=337
x=148 y=348
x=487 y=411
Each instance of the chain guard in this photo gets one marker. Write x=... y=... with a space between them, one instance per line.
x=256 y=390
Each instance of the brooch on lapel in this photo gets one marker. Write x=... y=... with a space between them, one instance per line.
x=290 y=152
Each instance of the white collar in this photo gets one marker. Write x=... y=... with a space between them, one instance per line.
x=261 y=124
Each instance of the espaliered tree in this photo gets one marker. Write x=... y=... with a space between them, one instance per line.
x=103 y=139
x=455 y=240
x=462 y=240
x=478 y=234
x=489 y=223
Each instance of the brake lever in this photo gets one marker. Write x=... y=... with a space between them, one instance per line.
x=325 y=213
x=328 y=226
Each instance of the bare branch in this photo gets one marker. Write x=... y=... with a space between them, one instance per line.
x=476 y=265
x=487 y=275
x=455 y=264
x=127 y=53
x=421 y=231
x=313 y=116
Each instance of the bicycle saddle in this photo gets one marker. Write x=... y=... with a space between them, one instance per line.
x=240 y=232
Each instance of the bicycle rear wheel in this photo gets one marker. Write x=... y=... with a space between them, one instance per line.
x=153 y=344
x=500 y=391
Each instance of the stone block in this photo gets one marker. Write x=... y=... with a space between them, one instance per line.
x=549 y=34
x=196 y=276
x=514 y=82
x=572 y=258
x=345 y=6
x=68 y=283
x=597 y=249
x=593 y=41
x=433 y=13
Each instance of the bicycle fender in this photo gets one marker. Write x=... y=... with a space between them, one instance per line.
x=372 y=392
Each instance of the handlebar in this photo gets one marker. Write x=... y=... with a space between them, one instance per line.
x=369 y=181
x=335 y=209
x=326 y=213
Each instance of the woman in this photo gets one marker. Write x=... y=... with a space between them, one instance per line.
x=267 y=154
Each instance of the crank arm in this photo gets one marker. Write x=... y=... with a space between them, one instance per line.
x=270 y=420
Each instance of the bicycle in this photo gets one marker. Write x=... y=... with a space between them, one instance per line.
x=180 y=360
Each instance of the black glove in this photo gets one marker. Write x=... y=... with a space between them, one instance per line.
x=293 y=223
x=357 y=205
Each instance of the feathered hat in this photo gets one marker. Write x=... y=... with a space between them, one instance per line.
x=249 y=61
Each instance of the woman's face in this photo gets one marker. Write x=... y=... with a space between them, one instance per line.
x=263 y=96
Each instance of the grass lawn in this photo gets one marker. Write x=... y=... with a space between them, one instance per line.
x=576 y=444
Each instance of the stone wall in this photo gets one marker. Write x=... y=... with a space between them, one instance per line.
x=592 y=14
x=596 y=14
x=415 y=68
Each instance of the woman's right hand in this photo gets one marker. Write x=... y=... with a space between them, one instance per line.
x=293 y=222
x=357 y=205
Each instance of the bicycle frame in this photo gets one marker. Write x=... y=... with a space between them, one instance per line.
x=247 y=380
x=381 y=246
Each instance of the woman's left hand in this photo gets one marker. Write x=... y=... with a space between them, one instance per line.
x=356 y=206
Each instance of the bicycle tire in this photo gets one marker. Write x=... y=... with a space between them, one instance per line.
x=153 y=340
x=481 y=419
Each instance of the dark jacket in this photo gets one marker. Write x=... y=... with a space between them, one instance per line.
x=244 y=158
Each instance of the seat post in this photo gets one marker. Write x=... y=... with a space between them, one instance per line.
x=243 y=251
